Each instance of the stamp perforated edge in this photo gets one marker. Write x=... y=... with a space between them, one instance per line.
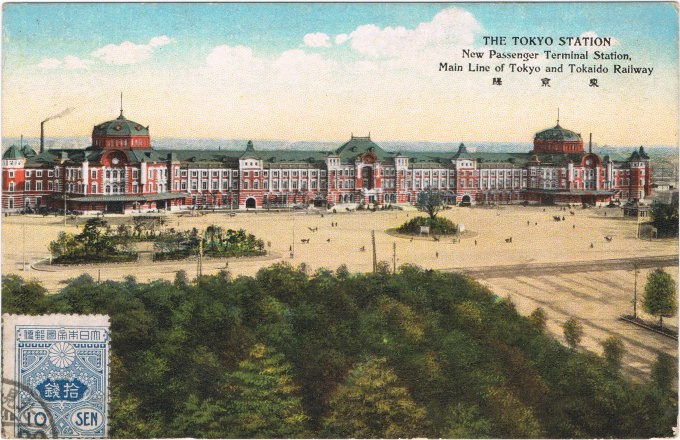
x=9 y=323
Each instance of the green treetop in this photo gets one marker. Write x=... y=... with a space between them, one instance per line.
x=371 y=404
x=660 y=299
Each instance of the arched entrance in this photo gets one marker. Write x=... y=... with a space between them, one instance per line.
x=319 y=201
x=367 y=177
x=465 y=201
x=250 y=203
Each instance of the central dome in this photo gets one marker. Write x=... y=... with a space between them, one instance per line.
x=120 y=133
x=557 y=133
x=120 y=127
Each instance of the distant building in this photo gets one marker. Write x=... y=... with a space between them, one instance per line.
x=122 y=172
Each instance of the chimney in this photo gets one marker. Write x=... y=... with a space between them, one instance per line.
x=590 y=144
x=42 y=136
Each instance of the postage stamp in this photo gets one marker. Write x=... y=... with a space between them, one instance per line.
x=55 y=376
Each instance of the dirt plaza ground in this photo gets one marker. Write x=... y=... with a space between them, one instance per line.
x=597 y=298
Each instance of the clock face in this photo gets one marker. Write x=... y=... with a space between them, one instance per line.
x=115 y=161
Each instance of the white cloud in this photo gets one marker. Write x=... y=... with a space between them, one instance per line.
x=128 y=52
x=318 y=39
x=160 y=41
x=49 y=63
x=450 y=27
x=591 y=34
x=238 y=60
x=341 y=38
x=73 y=63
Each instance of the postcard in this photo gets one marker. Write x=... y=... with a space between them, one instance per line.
x=340 y=220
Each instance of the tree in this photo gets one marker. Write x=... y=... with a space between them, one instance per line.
x=463 y=421
x=22 y=297
x=263 y=400
x=431 y=202
x=663 y=372
x=511 y=419
x=538 y=319
x=573 y=332
x=371 y=404
x=613 y=351
x=665 y=219
x=659 y=299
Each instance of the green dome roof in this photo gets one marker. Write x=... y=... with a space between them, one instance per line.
x=13 y=152
x=120 y=127
x=557 y=133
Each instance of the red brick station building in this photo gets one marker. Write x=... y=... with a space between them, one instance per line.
x=121 y=172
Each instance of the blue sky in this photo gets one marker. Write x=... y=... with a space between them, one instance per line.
x=258 y=55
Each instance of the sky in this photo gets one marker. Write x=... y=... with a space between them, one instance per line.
x=323 y=71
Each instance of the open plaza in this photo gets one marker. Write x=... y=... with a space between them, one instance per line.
x=595 y=294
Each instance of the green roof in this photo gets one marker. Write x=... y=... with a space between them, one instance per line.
x=557 y=133
x=358 y=146
x=13 y=152
x=284 y=158
x=120 y=127
x=129 y=198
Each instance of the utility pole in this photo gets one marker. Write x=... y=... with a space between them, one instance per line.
x=23 y=241
x=636 y=269
x=64 y=204
x=200 y=256
x=292 y=246
x=394 y=257
x=375 y=257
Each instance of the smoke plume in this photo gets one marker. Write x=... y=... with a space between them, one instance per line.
x=61 y=114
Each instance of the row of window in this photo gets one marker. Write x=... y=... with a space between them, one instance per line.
x=121 y=143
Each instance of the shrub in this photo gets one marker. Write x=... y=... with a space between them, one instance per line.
x=438 y=226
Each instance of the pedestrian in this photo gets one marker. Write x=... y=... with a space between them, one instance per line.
x=475 y=242
x=436 y=254
x=591 y=245
x=573 y=226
